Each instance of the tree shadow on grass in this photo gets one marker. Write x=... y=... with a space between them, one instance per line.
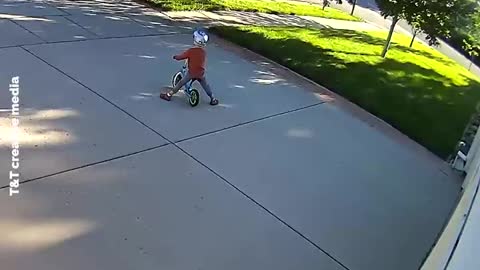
x=428 y=54
x=425 y=105
x=169 y=5
x=353 y=35
x=362 y=37
x=208 y=5
x=359 y=36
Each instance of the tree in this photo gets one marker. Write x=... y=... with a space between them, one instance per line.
x=354 y=4
x=442 y=17
x=471 y=43
x=326 y=3
x=430 y=24
x=415 y=31
x=435 y=18
x=395 y=9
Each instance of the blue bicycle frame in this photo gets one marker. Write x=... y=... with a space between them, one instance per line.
x=184 y=72
x=190 y=92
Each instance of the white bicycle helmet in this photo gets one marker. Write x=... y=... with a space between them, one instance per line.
x=200 y=38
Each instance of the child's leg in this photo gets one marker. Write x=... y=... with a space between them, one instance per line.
x=168 y=95
x=206 y=87
x=180 y=84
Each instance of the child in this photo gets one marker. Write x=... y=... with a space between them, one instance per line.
x=196 y=67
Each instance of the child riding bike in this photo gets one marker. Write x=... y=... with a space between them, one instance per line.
x=196 y=58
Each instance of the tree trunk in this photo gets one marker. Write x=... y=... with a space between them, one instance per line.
x=413 y=38
x=389 y=38
x=353 y=6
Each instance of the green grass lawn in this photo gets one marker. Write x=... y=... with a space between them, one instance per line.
x=267 y=6
x=419 y=91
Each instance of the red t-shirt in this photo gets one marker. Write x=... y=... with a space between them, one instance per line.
x=196 y=61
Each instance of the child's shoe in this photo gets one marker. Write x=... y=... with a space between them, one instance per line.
x=213 y=101
x=165 y=96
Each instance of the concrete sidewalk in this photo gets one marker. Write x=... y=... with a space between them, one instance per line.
x=249 y=18
x=281 y=175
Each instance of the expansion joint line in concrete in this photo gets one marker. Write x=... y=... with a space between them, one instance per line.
x=89 y=165
x=84 y=28
x=21 y=26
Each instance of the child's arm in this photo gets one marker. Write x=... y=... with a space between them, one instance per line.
x=182 y=56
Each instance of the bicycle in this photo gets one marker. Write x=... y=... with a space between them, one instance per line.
x=192 y=93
